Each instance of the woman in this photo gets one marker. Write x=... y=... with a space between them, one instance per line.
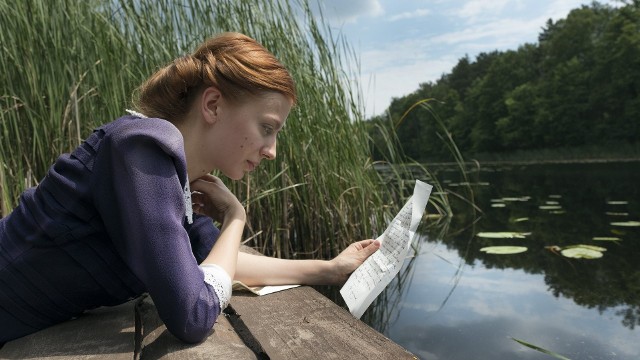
x=115 y=218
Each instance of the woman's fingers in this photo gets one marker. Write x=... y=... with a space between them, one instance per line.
x=212 y=198
x=369 y=247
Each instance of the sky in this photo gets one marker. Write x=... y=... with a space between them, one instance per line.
x=403 y=43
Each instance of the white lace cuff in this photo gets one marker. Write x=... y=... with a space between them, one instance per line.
x=218 y=278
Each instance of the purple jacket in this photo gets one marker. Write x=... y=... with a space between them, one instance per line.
x=104 y=226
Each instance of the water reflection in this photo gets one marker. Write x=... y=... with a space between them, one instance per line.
x=456 y=302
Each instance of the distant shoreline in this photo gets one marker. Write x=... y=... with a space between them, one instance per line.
x=537 y=162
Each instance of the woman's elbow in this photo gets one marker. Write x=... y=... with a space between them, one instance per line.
x=192 y=333
x=198 y=323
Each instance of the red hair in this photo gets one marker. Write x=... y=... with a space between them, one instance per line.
x=234 y=63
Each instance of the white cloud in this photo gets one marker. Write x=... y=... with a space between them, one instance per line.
x=410 y=15
x=400 y=81
x=560 y=8
x=395 y=70
x=492 y=35
x=340 y=11
x=478 y=9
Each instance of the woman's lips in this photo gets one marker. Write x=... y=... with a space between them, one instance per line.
x=252 y=165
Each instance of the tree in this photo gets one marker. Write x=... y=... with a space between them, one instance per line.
x=580 y=85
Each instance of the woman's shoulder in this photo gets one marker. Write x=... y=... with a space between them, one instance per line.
x=133 y=130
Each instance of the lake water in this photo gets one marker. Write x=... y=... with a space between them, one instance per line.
x=453 y=301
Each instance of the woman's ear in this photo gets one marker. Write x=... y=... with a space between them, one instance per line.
x=210 y=104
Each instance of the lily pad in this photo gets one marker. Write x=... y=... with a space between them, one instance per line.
x=480 y=183
x=504 y=250
x=520 y=219
x=606 y=238
x=626 y=223
x=550 y=207
x=590 y=247
x=581 y=253
x=555 y=196
x=498 y=205
x=523 y=198
x=617 y=202
x=502 y=235
x=611 y=213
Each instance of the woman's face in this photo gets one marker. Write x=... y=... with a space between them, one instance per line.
x=245 y=133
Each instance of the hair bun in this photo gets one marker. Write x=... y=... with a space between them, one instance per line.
x=234 y=63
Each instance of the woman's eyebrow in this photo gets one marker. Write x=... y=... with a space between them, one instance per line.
x=279 y=123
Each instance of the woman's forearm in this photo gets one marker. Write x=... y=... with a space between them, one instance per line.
x=256 y=270
x=225 y=251
x=212 y=198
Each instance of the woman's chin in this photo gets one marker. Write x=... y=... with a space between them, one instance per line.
x=234 y=175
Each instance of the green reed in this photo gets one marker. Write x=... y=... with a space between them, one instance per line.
x=68 y=66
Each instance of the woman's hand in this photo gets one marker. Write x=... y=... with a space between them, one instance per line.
x=352 y=257
x=213 y=199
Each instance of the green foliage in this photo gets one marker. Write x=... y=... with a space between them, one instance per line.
x=578 y=86
x=67 y=66
x=540 y=349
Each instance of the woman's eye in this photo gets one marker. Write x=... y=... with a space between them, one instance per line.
x=268 y=129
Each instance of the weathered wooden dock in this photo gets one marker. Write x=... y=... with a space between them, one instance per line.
x=298 y=323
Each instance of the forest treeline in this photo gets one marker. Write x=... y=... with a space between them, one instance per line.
x=579 y=85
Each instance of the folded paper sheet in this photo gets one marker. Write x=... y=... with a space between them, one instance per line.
x=260 y=290
x=370 y=278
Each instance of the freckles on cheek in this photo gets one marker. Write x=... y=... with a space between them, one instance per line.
x=246 y=142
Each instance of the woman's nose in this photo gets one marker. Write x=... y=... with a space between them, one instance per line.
x=269 y=151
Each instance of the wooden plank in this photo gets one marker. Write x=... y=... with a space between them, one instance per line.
x=301 y=323
x=158 y=343
x=293 y=324
x=106 y=332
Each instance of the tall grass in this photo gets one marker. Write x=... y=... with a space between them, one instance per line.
x=68 y=66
